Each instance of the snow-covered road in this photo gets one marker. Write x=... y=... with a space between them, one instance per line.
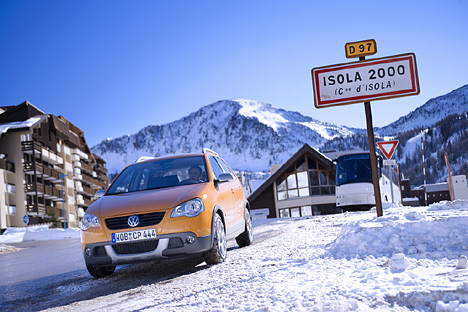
x=404 y=261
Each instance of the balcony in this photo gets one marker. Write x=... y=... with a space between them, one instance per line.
x=7 y=165
x=31 y=147
x=51 y=211
x=100 y=168
x=39 y=208
x=32 y=188
x=88 y=201
x=87 y=191
x=103 y=176
x=85 y=167
x=80 y=153
x=52 y=193
x=33 y=168
x=50 y=174
x=88 y=180
x=51 y=157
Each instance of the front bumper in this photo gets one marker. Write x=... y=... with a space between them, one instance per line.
x=165 y=246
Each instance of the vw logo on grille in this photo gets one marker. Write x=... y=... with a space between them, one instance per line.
x=133 y=221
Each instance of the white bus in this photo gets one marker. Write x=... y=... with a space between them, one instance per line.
x=354 y=188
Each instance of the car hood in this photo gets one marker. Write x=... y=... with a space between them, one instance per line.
x=145 y=201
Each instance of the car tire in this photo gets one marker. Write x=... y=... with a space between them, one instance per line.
x=98 y=272
x=218 y=252
x=246 y=238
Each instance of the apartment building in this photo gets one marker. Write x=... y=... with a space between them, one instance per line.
x=47 y=170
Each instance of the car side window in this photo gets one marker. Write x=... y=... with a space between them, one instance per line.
x=225 y=166
x=217 y=170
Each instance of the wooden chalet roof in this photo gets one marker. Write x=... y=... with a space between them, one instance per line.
x=20 y=112
x=282 y=169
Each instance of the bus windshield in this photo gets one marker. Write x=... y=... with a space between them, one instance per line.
x=353 y=169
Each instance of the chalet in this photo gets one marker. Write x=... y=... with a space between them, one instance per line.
x=303 y=186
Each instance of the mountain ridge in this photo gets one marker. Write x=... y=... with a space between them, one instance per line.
x=256 y=133
x=252 y=135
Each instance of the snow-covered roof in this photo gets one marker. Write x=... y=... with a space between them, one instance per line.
x=31 y=122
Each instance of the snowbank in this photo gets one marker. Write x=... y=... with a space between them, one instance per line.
x=438 y=231
x=37 y=233
x=410 y=259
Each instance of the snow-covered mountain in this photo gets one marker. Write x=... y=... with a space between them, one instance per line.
x=434 y=110
x=441 y=122
x=250 y=135
x=253 y=136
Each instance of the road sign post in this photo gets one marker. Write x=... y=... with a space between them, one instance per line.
x=373 y=159
x=363 y=81
x=388 y=148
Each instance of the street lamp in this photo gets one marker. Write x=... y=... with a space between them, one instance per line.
x=63 y=200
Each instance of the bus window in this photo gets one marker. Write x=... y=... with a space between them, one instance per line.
x=353 y=169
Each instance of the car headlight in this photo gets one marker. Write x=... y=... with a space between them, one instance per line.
x=190 y=208
x=89 y=221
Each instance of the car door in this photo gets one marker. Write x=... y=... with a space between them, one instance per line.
x=224 y=194
x=237 y=196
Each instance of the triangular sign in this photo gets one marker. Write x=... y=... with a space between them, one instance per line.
x=388 y=147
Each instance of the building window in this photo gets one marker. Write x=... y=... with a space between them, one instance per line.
x=284 y=213
x=25 y=137
x=305 y=211
x=12 y=210
x=305 y=178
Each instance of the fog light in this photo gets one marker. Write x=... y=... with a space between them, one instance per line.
x=88 y=251
x=190 y=239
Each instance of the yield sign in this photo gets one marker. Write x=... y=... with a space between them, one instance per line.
x=388 y=147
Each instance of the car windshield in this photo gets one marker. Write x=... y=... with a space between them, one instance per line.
x=353 y=169
x=160 y=174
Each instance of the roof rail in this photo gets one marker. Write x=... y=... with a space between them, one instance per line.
x=144 y=158
x=207 y=150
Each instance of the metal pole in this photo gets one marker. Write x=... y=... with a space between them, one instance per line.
x=450 y=177
x=7 y=195
x=390 y=174
x=399 y=183
x=63 y=201
x=424 y=171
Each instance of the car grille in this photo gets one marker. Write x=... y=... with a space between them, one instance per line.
x=147 y=219
x=135 y=248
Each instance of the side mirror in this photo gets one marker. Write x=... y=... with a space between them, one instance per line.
x=224 y=177
x=100 y=193
x=379 y=161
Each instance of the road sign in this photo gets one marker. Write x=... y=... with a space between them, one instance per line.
x=389 y=162
x=25 y=219
x=360 y=48
x=388 y=147
x=357 y=82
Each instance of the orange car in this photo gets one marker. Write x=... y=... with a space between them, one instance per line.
x=166 y=207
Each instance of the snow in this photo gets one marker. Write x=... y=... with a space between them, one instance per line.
x=36 y=233
x=250 y=135
x=265 y=114
x=19 y=124
x=410 y=259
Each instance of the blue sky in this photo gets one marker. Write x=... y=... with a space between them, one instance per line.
x=113 y=67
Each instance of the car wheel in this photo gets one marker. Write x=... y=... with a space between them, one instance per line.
x=217 y=253
x=98 y=272
x=246 y=238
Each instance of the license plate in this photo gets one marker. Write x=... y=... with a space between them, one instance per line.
x=123 y=237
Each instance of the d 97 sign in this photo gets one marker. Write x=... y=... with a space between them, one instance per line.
x=356 y=82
